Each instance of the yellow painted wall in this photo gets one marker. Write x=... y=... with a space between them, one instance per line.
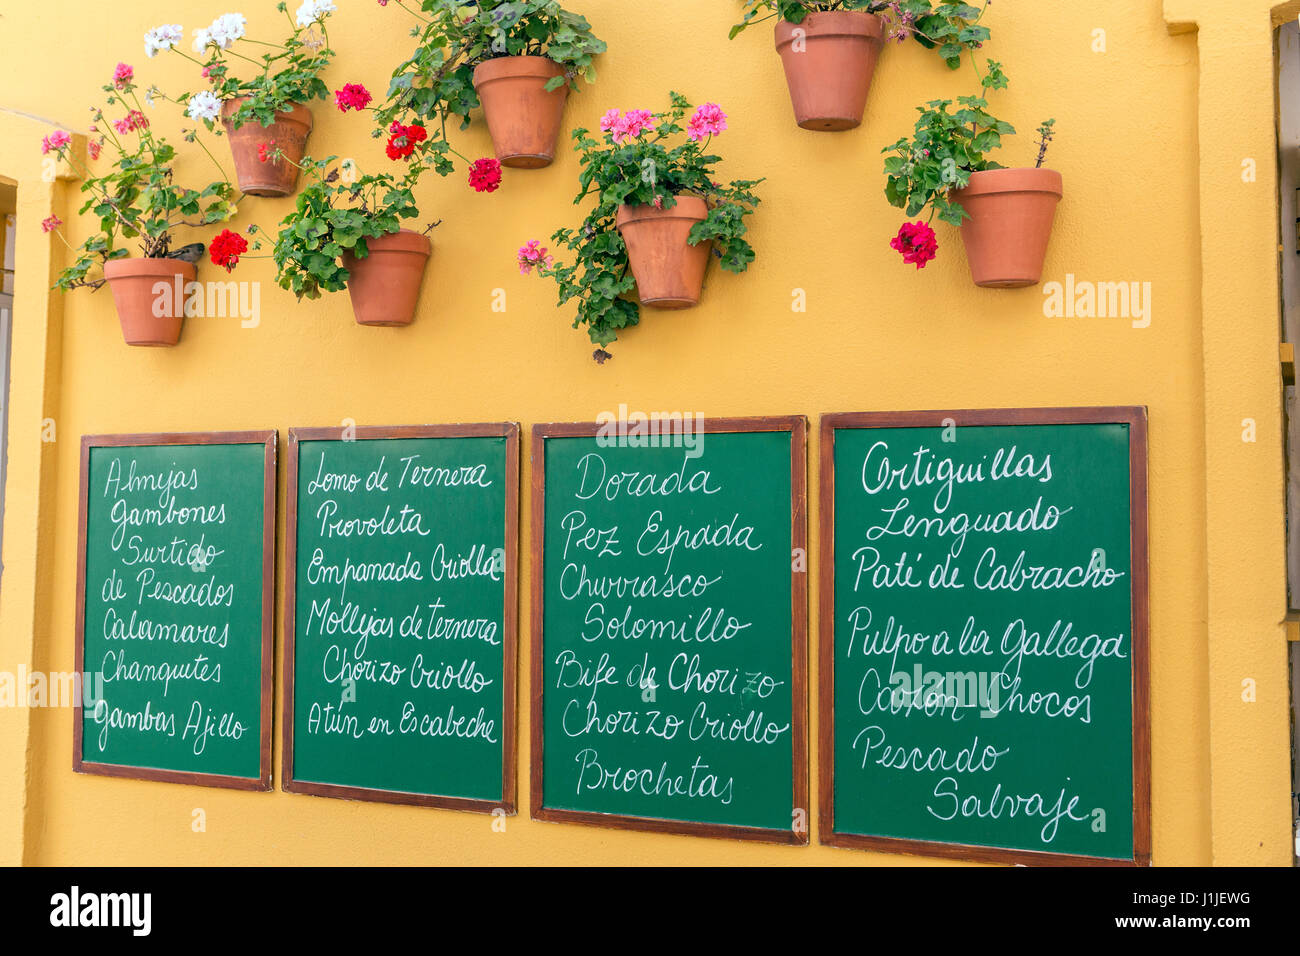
x=876 y=335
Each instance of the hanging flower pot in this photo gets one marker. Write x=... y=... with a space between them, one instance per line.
x=385 y=285
x=669 y=271
x=277 y=175
x=150 y=298
x=653 y=217
x=522 y=115
x=1011 y=216
x=149 y=204
x=829 y=60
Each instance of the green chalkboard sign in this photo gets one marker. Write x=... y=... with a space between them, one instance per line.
x=669 y=602
x=175 y=586
x=400 y=615
x=984 y=635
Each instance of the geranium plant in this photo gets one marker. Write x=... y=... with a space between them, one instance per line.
x=951 y=142
x=435 y=85
x=338 y=211
x=275 y=78
x=641 y=159
x=946 y=150
x=942 y=152
x=135 y=195
x=951 y=29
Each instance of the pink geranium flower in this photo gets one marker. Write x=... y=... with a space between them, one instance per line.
x=123 y=75
x=627 y=127
x=51 y=223
x=55 y=141
x=532 y=254
x=634 y=124
x=94 y=147
x=709 y=120
x=916 y=242
x=134 y=120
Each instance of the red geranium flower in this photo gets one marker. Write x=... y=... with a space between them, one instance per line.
x=268 y=152
x=485 y=175
x=352 y=96
x=916 y=242
x=402 y=139
x=227 y=248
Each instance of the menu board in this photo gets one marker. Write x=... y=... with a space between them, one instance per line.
x=669 y=611
x=175 y=586
x=984 y=672
x=400 y=615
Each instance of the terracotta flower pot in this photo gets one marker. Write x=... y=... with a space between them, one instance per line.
x=385 y=285
x=669 y=271
x=523 y=118
x=1011 y=215
x=150 y=298
x=829 y=60
x=289 y=132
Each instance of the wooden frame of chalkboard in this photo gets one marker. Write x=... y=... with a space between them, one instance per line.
x=1136 y=419
x=510 y=641
x=797 y=426
x=270 y=439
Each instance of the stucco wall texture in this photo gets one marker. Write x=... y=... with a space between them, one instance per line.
x=1130 y=96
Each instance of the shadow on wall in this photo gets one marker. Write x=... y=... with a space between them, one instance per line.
x=8 y=222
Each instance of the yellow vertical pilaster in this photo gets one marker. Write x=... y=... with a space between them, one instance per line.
x=1248 y=683
x=29 y=495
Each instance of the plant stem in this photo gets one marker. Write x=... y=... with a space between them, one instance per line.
x=263 y=67
x=177 y=50
x=204 y=147
x=413 y=13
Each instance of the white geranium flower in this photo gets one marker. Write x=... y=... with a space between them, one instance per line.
x=202 y=40
x=226 y=29
x=313 y=11
x=204 y=105
x=162 y=38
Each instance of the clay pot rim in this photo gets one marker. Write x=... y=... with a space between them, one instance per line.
x=133 y=266
x=824 y=24
x=643 y=212
x=404 y=240
x=517 y=67
x=1016 y=179
x=300 y=114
